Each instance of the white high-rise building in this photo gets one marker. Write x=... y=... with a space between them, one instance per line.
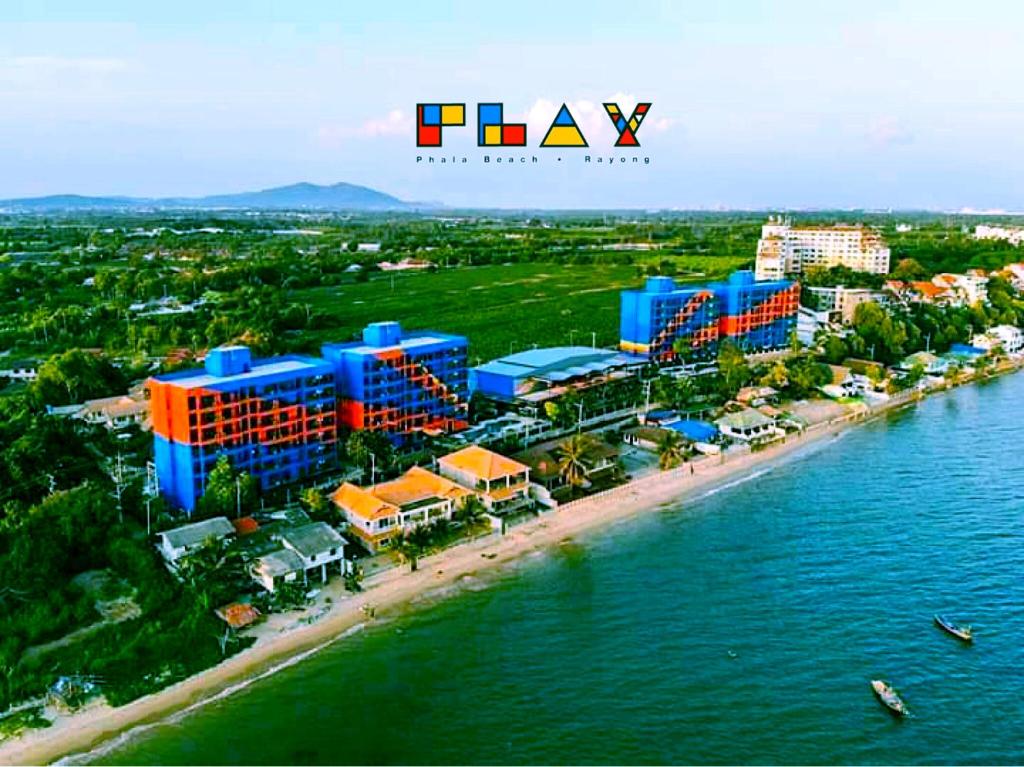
x=785 y=249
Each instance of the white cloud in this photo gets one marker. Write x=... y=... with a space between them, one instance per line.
x=394 y=123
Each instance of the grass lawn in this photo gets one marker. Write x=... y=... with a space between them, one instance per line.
x=500 y=308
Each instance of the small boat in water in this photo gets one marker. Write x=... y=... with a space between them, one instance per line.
x=889 y=697
x=963 y=633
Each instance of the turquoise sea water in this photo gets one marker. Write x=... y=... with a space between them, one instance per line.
x=743 y=628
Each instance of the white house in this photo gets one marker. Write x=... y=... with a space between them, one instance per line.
x=181 y=541
x=1010 y=338
x=20 y=370
x=278 y=567
x=843 y=383
x=317 y=545
x=748 y=426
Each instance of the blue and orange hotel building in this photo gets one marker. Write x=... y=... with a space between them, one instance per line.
x=275 y=419
x=756 y=316
x=278 y=419
x=400 y=383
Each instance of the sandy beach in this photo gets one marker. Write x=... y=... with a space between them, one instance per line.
x=283 y=638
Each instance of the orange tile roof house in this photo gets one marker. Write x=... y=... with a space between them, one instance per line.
x=376 y=515
x=502 y=484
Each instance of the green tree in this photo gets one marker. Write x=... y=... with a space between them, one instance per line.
x=806 y=375
x=471 y=511
x=75 y=376
x=228 y=492
x=733 y=369
x=573 y=455
x=316 y=503
x=671 y=450
x=370 y=450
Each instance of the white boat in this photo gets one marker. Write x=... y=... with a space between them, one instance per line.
x=889 y=697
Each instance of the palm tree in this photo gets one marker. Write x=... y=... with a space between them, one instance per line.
x=471 y=512
x=572 y=459
x=670 y=451
x=407 y=550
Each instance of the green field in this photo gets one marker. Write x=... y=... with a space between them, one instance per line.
x=500 y=308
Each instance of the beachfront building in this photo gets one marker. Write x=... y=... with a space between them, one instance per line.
x=1006 y=337
x=665 y=321
x=307 y=551
x=178 y=543
x=931 y=364
x=503 y=485
x=599 y=462
x=378 y=514
x=748 y=426
x=842 y=384
x=525 y=382
x=664 y=317
x=785 y=249
x=402 y=384
x=274 y=419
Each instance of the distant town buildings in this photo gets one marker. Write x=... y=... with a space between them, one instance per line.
x=1011 y=234
x=665 y=317
x=785 y=249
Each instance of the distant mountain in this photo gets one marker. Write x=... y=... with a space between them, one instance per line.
x=304 y=196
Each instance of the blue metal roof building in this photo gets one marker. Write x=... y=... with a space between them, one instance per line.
x=519 y=374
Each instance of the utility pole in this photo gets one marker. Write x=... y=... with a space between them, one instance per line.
x=373 y=469
x=118 y=478
x=150 y=489
x=238 y=497
x=579 y=423
x=647 y=399
x=593 y=339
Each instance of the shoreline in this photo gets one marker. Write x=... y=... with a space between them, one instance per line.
x=393 y=590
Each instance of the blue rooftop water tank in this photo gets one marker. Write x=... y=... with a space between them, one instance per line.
x=660 y=285
x=382 y=334
x=228 y=361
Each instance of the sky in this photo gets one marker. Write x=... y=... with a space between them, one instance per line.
x=788 y=104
